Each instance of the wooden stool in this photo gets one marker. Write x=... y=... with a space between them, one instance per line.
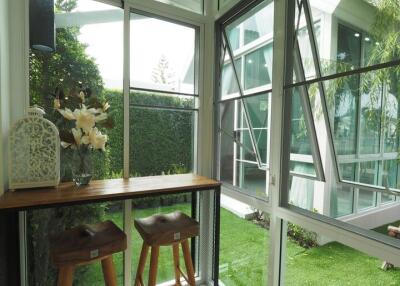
x=87 y=244
x=166 y=230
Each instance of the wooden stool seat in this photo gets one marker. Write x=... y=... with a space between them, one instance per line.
x=162 y=230
x=166 y=229
x=86 y=244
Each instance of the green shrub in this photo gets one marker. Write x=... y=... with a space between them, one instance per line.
x=301 y=236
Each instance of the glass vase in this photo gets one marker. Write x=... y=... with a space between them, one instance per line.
x=81 y=166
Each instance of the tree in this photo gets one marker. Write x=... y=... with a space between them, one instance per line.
x=162 y=73
x=65 y=5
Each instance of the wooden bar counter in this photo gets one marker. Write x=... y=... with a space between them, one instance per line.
x=105 y=190
x=13 y=205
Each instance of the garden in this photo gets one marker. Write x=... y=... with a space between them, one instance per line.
x=244 y=257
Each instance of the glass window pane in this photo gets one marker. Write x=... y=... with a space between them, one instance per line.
x=258 y=68
x=305 y=48
x=348 y=49
x=301 y=160
x=314 y=259
x=389 y=178
x=234 y=38
x=344 y=99
x=252 y=25
x=301 y=192
x=149 y=206
x=82 y=59
x=255 y=26
x=368 y=175
x=229 y=84
x=302 y=168
x=355 y=47
x=257 y=107
x=351 y=110
x=370 y=120
x=391 y=114
x=226 y=142
x=192 y=5
x=247 y=262
x=342 y=198
x=147 y=98
x=238 y=162
x=44 y=223
x=251 y=179
x=300 y=141
x=162 y=55
x=390 y=173
x=161 y=141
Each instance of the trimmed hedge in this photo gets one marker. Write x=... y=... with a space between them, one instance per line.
x=160 y=140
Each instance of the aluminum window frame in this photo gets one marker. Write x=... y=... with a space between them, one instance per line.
x=229 y=56
x=356 y=237
x=319 y=79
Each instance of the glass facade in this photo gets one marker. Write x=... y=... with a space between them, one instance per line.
x=163 y=117
x=244 y=119
x=362 y=110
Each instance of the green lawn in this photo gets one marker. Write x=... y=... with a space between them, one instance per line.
x=244 y=252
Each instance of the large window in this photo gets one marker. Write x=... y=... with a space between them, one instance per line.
x=354 y=109
x=163 y=96
x=245 y=100
x=163 y=114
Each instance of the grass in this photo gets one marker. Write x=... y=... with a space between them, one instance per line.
x=244 y=255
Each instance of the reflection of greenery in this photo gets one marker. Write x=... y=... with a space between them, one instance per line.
x=377 y=87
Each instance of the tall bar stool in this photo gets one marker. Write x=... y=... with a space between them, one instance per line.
x=87 y=244
x=166 y=230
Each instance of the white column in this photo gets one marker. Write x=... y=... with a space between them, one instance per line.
x=277 y=226
x=14 y=68
x=4 y=88
x=206 y=138
x=19 y=58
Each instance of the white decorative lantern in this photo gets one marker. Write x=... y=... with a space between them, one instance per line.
x=34 y=152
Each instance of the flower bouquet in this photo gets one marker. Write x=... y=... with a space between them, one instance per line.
x=84 y=117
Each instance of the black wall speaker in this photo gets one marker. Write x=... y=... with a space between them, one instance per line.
x=42 y=27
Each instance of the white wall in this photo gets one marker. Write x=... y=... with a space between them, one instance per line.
x=13 y=61
x=4 y=86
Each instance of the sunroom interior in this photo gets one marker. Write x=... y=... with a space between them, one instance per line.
x=272 y=126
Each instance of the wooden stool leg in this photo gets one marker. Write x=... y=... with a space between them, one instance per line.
x=65 y=276
x=153 y=265
x=188 y=262
x=110 y=278
x=175 y=250
x=141 y=265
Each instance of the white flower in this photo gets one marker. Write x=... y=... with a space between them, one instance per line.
x=101 y=117
x=77 y=135
x=106 y=106
x=65 y=144
x=84 y=119
x=57 y=104
x=67 y=113
x=85 y=139
x=94 y=111
x=98 y=140
x=81 y=95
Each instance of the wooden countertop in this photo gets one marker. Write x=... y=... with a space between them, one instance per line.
x=103 y=190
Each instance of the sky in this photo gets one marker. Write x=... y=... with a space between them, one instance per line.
x=150 y=39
